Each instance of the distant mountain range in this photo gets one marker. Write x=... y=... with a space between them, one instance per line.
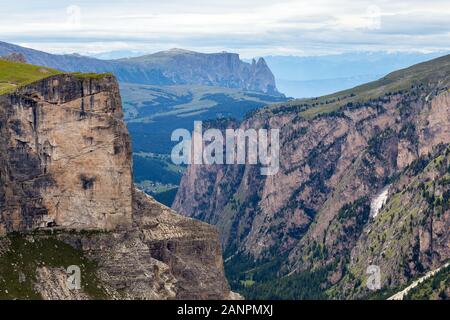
x=172 y=67
x=314 y=76
x=295 y=76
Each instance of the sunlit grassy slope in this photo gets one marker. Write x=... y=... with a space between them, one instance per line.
x=17 y=74
x=422 y=73
x=14 y=75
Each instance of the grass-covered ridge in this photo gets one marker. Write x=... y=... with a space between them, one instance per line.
x=14 y=75
x=90 y=75
x=420 y=74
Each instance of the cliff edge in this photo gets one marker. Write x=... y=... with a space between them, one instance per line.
x=67 y=198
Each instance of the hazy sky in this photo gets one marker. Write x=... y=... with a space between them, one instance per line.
x=249 y=27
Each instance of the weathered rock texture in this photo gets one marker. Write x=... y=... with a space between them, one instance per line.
x=337 y=152
x=218 y=69
x=65 y=176
x=52 y=285
x=65 y=156
x=164 y=256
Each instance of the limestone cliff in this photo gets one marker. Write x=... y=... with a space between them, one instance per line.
x=66 y=191
x=338 y=152
x=66 y=155
x=222 y=69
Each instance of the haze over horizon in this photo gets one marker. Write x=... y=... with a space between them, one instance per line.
x=253 y=28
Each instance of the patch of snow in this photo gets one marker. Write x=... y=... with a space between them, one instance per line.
x=379 y=201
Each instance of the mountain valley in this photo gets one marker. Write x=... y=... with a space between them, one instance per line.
x=169 y=90
x=309 y=226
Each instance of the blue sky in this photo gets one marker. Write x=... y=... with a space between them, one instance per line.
x=251 y=27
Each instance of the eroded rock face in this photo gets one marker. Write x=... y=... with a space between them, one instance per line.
x=163 y=256
x=65 y=169
x=410 y=233
x=219 y=69
x=51 y=283
x=66 y=156
x=188 y=247
x=327 y=161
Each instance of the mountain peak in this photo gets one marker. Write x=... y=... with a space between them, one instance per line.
x=261 y=62
x=175 y=51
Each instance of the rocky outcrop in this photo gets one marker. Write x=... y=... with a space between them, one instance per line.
x=66 y=190
x=65 y=156
x=262 y=78
x=217 y=69
x=189 y=247
x=14 y=57
x=337 y=153
x=51 y=284
x=163 y=256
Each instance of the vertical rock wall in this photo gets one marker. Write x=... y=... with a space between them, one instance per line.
x=65 y=157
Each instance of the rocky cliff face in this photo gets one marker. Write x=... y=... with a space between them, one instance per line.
x=66 y=156
x=338 y=153
x=410 y=234
x=66 y=189
x=217 y=69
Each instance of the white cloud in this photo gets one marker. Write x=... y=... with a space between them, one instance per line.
x=255 y=27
